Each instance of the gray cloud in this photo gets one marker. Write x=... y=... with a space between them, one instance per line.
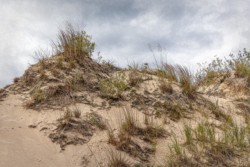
x=190 y=31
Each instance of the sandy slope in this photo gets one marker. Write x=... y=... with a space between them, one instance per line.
x=22 y=146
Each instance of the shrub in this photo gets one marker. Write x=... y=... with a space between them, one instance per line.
x=37 y=94
x=218 y=68
x=114 y=86
x=74 y=44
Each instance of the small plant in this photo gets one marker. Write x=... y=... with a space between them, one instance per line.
x=71 y=113
x=114 y=86
x=129 y=123
x=77 y=112
x=111 y=135
x=41 y=56
x=240 y=136
x=134 y=66
x=96 y=120
x=73 y=44
x=154 y=131
x=134 y=78
x=170 y=72
x=59 y=62
x=38 y=95
x=68 y=114
x=176 y=148
x=16 y=80
x=187 y=81
x=200 y=132
x=115 y=159
x=165 y=87
x=175 y=111
x=205 y=133
x=43 y=75
x=188 y=134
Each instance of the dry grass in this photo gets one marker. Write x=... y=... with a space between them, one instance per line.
x=129 y=121
x=134 y=78
x=73 y=44
x=115 y=159
x=170 y=72
x=77 y=113
x=71 y=130
x=206 y=146
x=175 y=111
x=96 y=120
x=111 y=135
x=130 y=128
x=181 y=74
x=3 y=94
x=187 y=82
x=38 y=95
x=166 y=87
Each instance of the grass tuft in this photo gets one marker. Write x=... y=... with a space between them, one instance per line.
x=115 y=159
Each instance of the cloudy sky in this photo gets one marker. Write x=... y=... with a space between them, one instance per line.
x=189 y=31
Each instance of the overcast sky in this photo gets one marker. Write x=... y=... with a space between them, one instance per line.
x=190 y=31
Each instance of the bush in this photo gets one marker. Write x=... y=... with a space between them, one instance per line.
x=38 y=95
x=74 y=44
x=239 y=63
x=114 y=86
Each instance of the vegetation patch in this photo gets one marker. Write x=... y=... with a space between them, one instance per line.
x=135 y=78
x=3 y=94
x=115 y=159
x=174 y=111
x=206 y=146
x=220 y=69
x=71 y=128
x=165 y=87
x=114 y=86
x=129 y=131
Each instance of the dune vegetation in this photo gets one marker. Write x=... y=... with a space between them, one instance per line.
x=137 y=116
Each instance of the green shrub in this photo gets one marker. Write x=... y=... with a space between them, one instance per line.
x=74 y=44
x=114 y=86
x=239 y=63
x=37 y=94
x=188 y=134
